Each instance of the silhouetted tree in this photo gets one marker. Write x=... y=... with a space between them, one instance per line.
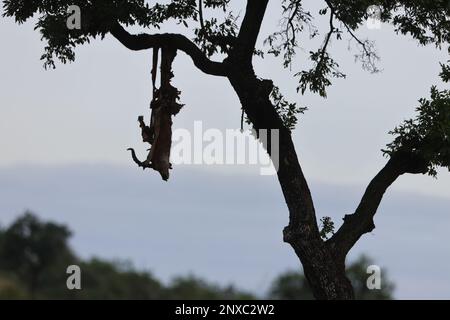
x=34 y=256
x=36 y=252
x=293 y=285
x=420 y=146
x=197 y=289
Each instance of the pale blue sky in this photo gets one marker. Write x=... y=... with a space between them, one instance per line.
x=76 y=122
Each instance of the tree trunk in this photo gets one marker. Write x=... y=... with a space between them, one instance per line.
x=324 y=271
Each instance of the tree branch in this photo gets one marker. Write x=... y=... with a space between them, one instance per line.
x=248 y=34
x=361 y=222
x=200 y=14
x=368 y=54
x=178 y=41
x=323 y=51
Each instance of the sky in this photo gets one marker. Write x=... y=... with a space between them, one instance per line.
x=64 y=134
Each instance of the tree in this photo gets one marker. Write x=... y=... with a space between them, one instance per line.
x=194 y=288
x=292 y=285
x=34 y=256
x=420 y=146
x=36 y=252
x=107 y=280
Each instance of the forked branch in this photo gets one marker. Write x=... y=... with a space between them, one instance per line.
x=357 y=224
